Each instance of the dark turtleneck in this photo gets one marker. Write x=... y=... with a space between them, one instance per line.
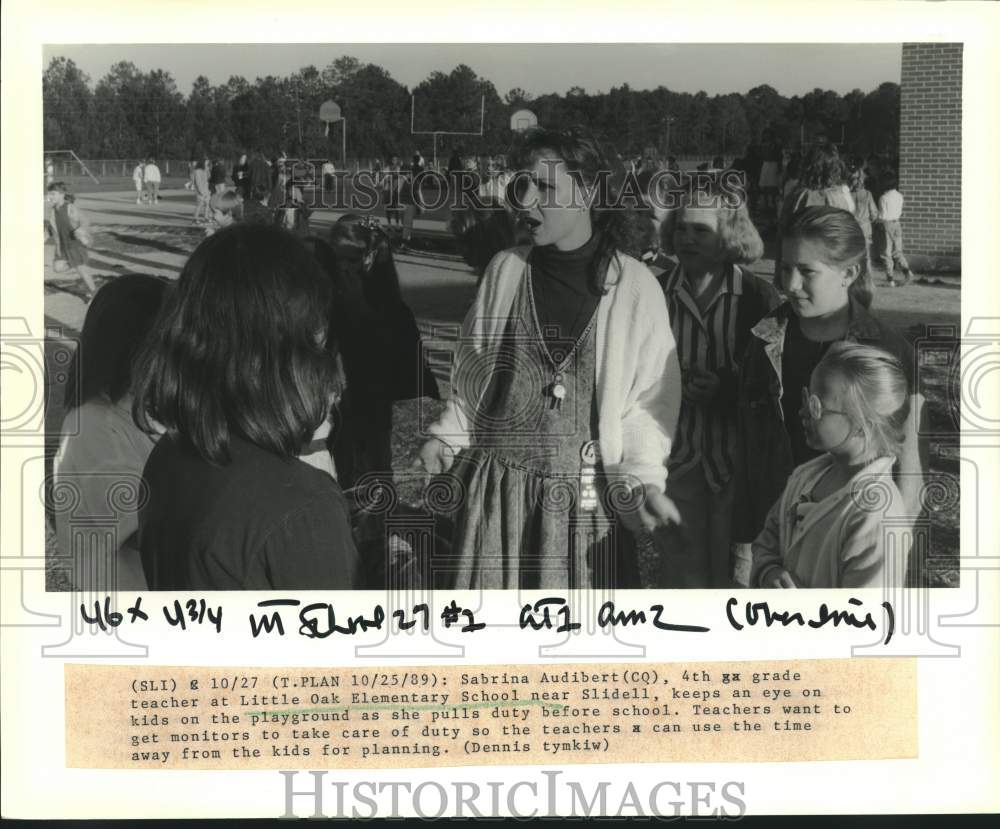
x=565 y=298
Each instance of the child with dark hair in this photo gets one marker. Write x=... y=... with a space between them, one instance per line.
x=102 y=452
x=890 y=214
x=71 y=235
x=565 y=387
x=825 y=530
x=828 y=294
x=714 y=301
x=240 y=372
x=257 y=209
x=379 y=344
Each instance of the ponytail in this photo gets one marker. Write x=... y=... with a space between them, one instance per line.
x=843 y=240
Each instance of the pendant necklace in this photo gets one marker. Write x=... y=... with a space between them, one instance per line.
x=555 y=390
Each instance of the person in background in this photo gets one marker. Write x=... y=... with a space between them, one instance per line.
x=482 y=230
x=454 y=163
x=241 y=176
x=890 y=214
x=202 y=193
x=714 y=301
x=829 y=292
x=102 y=452
x=328 y=171
x=792 y=173
x=824 y=530
x=217 y=177
x=71 y=236
x=874 y=173
x=293 y=213
x=239 y=373
x=257 y=209
x=770 y=171
x=50 y=172
x=222 y=206
x=823 y=181
x=259 y=172
x=151 y=178
x=865 y=210
x=391 y=184
x=409 y=199
x=137 y=175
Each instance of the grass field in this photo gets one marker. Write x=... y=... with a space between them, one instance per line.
x=438 y=287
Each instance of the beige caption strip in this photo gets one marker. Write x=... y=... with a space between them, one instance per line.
x=308 y=718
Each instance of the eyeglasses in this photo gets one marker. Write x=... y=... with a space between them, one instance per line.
x=814 y=406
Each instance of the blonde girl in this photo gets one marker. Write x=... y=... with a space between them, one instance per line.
x=839 y=521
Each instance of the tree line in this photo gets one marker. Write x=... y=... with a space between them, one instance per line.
x=130 y=113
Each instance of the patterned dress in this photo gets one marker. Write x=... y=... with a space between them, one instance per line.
x=530 y=517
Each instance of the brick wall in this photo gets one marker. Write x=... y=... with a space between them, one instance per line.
x=930 y=153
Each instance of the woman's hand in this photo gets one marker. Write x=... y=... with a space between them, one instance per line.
x=700 y=386
x=780 y=578
x=436 y=456
x=655 y=511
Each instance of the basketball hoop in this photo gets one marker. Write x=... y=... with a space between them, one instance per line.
x=329 y=113
x=523 y=119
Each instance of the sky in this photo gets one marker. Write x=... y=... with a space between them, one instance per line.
x=792 y=69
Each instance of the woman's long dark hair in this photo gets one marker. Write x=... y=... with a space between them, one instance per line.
x=239 y=347
x=117 y=323
x=593 y=165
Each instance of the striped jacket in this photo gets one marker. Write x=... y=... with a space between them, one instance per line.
x=713 y=341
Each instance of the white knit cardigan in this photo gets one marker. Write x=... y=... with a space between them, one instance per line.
x=638 y=375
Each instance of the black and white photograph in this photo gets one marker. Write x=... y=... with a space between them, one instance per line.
x=503 y=316
x=462 y=410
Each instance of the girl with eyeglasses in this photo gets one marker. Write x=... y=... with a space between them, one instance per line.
x=839 y=521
